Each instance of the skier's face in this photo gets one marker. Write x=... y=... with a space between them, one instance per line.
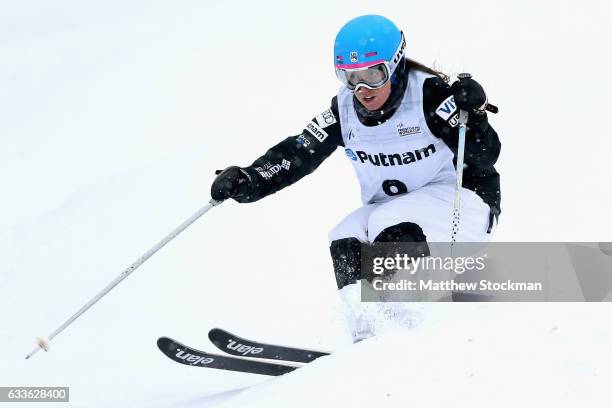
x=373 y=99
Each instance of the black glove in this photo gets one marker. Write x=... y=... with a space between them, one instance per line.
x=469 y=95
x=230 y=183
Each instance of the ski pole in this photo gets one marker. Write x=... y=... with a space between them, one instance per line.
x=44 y=343
x=463 y=118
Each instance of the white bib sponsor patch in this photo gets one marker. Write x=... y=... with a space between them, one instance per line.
x=326 y=118
x=407 y=129
x=316 y=131
x=447 y=108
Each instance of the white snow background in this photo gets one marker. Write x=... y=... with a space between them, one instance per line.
x=114 y=116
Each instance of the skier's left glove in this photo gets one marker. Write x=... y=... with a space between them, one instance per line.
x=469 y=95
x=233 y=182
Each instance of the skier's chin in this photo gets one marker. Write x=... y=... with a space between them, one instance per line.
x=371 y=103
x=374 y=99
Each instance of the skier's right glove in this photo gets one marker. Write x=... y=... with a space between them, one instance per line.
x=233 y=182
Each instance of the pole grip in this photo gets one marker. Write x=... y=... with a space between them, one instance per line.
x=489 y=106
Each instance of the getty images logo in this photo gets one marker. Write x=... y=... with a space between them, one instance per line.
x=242 y=349
x=192 y=359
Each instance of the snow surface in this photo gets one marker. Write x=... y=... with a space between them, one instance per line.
x=113 y=120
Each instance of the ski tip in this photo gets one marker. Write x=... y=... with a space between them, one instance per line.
x=215 y=331
x=217 y=336
x=166 y=344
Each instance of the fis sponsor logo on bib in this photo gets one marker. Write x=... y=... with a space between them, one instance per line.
x=403 y=130
x=326 y=118
x=454 y=120
x=447 y=108
x=351 y=154
x=316 y=131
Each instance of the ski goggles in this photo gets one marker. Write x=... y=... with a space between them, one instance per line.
x=372 y=76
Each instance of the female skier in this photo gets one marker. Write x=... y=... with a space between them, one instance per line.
x=397 y=121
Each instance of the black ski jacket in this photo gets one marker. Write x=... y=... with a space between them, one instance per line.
x=299 y=155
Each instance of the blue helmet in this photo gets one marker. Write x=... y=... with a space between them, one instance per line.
x=367 y=41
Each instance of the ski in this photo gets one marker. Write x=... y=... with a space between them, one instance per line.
x=238 y=346
x=189 y=356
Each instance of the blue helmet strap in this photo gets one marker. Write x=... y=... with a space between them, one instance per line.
x=399 y=81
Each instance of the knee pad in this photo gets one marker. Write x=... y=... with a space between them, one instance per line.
x=405 y=232
x=346 y=257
